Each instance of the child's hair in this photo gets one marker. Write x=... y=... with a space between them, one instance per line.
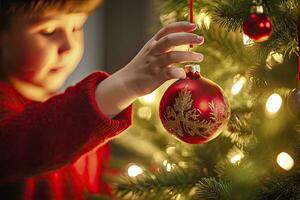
x=39 y=7
x=35 y=8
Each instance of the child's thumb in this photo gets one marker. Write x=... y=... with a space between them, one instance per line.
x=177 y=73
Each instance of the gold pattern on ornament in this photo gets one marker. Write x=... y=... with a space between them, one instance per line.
x=183 y=119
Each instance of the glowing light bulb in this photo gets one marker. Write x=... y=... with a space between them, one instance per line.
x=169 y=167
x=171 y=150
x=134 y=170
x=237 y=87
x=236 y=158
x=149 y=98
x=274 y=103
x=203 y=19
x=285 y=161
x=165 y=162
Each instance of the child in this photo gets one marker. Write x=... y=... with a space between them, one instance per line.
x=52 y=145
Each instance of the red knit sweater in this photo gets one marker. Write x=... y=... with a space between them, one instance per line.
x=51 y=150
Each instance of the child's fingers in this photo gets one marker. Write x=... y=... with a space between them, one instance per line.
x=175 y=27
x=176 y=39
x=177 y=57
x=172 y=72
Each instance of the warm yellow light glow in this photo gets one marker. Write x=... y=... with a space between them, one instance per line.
x=203 y=19
x=237 y=87
x=171 y=150
x=274 y=103
x=169 y=167
x=149 y=98
x=168 y=18
x=144 y=112
x=285 y=161
x=183 y=164
x=165 y=162
x=134 y=170
x=235 y=159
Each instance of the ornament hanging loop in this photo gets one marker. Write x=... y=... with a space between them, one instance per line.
x=257 y=2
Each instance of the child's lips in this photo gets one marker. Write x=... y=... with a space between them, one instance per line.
x=56 y=69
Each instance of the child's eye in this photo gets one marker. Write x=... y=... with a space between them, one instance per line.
x=48 y=32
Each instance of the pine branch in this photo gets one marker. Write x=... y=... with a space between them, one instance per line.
x=239 y=128
x=287 y=187
x=262 y=79
x=230 y=14
x=212 y=189
x=164 y=185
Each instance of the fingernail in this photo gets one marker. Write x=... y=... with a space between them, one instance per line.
x=200 y=39
x=192 y=24
x=200 y=57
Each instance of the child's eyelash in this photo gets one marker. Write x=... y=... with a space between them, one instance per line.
x=48 y=32
x=51 y=32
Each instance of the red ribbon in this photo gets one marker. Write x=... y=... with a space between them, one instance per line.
x=191 y=15
x=191 y=11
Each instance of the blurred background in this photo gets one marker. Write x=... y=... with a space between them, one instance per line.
x=114 y=34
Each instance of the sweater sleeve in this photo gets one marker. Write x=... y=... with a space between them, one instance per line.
x=45 y=136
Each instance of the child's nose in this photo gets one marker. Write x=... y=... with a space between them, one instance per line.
x=66 y=45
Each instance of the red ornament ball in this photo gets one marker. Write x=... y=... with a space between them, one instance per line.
x=293 y=103
x=257 y=26
x=194 y=109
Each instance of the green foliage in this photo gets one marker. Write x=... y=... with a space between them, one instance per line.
x=164 y=185
x=210 y=188
x=206 y=171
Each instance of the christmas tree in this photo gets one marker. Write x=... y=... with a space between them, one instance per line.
x=257 y=154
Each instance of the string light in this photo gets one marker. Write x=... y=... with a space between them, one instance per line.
x=171 y=150
x=236 y=158
x=165 y=162
x=167 y=165
x=134 y=170
x=274 y=103
x=203 y=19
x=285 y=161
x=237 y=87
x=235 y=155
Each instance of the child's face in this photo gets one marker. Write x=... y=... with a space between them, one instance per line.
x=43 y=51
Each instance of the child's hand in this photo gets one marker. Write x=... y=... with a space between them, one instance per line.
x=151 y=67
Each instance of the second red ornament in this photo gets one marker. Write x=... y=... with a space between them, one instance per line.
x=257 y=25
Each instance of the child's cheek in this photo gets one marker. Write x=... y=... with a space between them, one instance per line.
x=33 y=61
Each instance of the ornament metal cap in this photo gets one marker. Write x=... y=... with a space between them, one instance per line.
x=192 y=68
x=192 y=71
x=257 y=9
